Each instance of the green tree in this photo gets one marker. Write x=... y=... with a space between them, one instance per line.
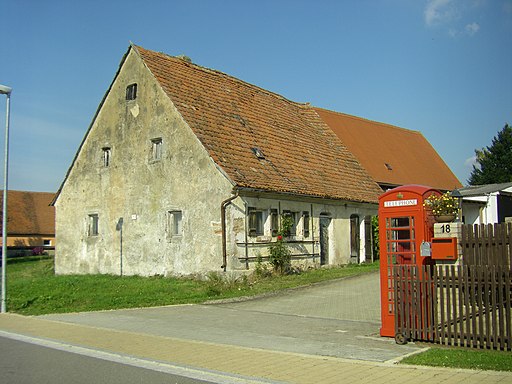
x=494 y=163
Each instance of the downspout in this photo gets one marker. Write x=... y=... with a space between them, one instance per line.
x=223 y=206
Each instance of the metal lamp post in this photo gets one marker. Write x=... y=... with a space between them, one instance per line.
x=4 y=90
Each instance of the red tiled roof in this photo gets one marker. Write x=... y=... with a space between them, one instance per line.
x=392 y=155
x=232 y=119
x=29 y=213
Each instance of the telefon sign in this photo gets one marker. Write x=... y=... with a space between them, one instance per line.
x=401 y=203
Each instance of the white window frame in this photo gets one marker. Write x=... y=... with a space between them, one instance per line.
x=107 y=156
x=156 y=149
x=174 y=223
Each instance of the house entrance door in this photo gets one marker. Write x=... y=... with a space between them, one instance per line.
x=325 y=222
x=354 y=239
x=368 y=240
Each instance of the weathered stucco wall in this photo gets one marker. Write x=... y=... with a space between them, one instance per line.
x=244 y=248
x=140 y=190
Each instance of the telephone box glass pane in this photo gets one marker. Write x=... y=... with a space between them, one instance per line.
x=400 y=222
x=400 y=238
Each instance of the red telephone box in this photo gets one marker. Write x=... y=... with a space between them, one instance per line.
x=404 y=225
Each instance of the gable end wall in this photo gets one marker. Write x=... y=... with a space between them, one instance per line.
x=139 y=190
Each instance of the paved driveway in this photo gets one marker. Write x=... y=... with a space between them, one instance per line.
x=354 y=299
x=339 y=319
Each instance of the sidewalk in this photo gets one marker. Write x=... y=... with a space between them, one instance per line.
x=248 y=362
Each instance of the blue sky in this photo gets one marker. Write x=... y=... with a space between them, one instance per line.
x=441 y=67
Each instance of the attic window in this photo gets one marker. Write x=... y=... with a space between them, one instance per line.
x=258 y=153
x=107 y=154
x=131 y=91
x=156 y=149
x=388 y=166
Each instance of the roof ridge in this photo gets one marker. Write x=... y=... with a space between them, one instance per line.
x=479 y=186
x=368 y=120
x=223 y=74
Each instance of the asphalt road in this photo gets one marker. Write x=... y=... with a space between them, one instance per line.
x=22 y=361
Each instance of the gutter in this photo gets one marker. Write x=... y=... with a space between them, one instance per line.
x=223 y=206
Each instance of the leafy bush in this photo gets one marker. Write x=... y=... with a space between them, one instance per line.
x=280 y=255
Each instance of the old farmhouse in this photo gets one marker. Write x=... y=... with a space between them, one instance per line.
x=185 y=170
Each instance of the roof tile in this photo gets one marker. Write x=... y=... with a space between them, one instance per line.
x=390 y=154
x=230 y=117
x=29 y=213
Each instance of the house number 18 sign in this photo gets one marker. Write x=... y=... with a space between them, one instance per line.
x=446 y=228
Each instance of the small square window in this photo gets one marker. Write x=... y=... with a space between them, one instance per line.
x=131 y=92
x=107 y=152
x=93 y=225
x=47 y=243
x=174 y=223
x=292 y=216
x=156 y=149
x=255 y=222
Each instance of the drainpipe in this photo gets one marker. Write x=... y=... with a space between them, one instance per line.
x=223 y=206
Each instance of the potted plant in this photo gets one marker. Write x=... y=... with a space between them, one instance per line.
x=444 y=207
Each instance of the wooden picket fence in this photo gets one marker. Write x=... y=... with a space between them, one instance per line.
x=462 y=305
x=489 y=244
x=467 y=306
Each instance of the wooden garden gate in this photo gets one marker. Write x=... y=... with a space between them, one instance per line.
x=462 y=305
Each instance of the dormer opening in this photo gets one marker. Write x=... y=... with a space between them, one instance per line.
x=258 y=153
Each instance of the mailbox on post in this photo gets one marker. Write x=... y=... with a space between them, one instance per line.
x=405 y=234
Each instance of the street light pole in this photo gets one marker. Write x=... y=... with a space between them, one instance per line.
x=4 y=90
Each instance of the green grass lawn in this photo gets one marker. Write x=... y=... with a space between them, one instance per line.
x=463 y=358
x=33 y=289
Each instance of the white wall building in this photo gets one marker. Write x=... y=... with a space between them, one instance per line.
x=486 y=204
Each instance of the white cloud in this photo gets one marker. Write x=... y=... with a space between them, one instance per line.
x=469 y=30
x=438 y=11
x=449 y=14
x=472 y=28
